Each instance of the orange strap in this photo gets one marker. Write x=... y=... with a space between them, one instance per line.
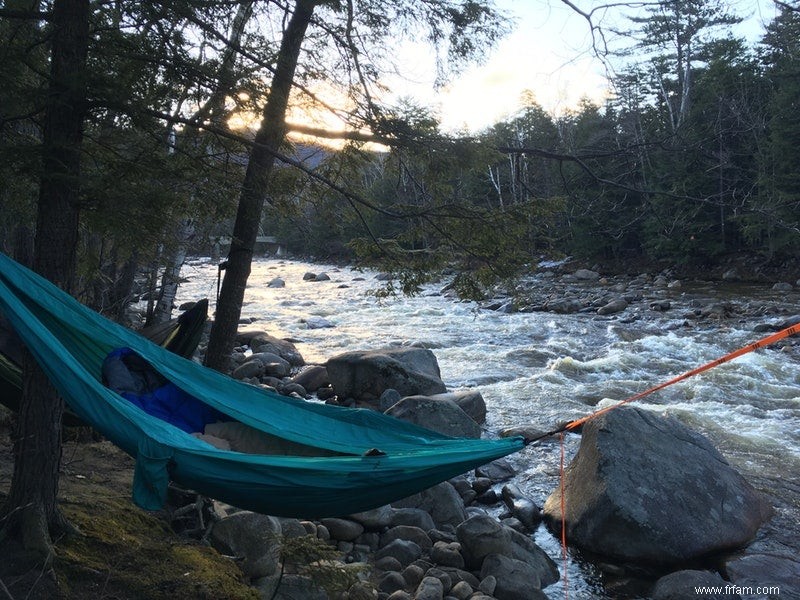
x=770 y=339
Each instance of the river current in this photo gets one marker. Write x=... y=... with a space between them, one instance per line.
x=542 y=368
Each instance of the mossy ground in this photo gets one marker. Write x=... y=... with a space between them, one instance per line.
x=122 y=552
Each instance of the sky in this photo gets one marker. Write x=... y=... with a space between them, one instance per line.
x=548 y=51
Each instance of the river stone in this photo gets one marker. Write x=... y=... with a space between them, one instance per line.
x=497 y=470
x=277 y=282
x=409 y=533
x=684 y=584
x=755 y=570
x=586 y=275
x=413 y=517
x=312 y=378
x=429 y=588
x=343 y=530
x=470 y=401
x=364 y=375
x=404 y=551
x=441 y=501
x=261 y=341
x=252 y=368
x=481 y=536
x=274 y=365
x=440 y=415
x=376 y=518
x=299 y=587
x=614 y=306
x=644 y=487
x=515 y=579
x=521 y=507
x=253 y=537
x=447 y=554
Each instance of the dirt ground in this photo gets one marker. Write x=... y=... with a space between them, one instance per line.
x=122 y=552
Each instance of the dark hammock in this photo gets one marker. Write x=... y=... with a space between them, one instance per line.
x=70 y=341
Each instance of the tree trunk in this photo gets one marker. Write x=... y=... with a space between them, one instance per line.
x=172 y=273
x=254 y=189
x=32 y=500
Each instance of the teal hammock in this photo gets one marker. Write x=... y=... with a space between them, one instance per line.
x=70 y=341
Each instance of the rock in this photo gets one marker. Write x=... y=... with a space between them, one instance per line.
x=586 y=275
x=441 y=502
x=312 y=378
x=309 y=276
x=408 y=533
x=387 y=563
x=315 y=322
x=292 y=389
x=365 y=375
x=488 y=585
x=343 y=529
x=684 y=584
x=361 y=590
x=400 y=595
x=481 y=536
x=563 y=306
x=252 y=537
x=375 y=519
x=299 y=587
x=252 y=368
x=783 y=286
x=515 y=580
x=429 y=588
x=388 y=399
x=442 y=576
x=766 y=569
x=260 y=341
x=615 y=306
x=529 y=432
x=322 y=277
x=525 y=549
x=470 y=401
x=440 y=415
x=274 y=365
x=447 y=554
x=413 y=574
x=404 y=551
x=412 y=517
x=462 y=590
x=276 y=283
x=521 y=507
x=392 y=582
x=629 y=463
x=497 y=470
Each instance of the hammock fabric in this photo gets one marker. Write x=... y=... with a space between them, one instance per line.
x=70 y=341
x=180 y=335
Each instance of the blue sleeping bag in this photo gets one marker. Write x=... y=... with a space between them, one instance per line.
x=134 y=379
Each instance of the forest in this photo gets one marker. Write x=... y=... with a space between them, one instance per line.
x=692 y=158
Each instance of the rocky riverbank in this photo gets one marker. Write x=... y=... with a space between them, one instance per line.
x=410 y=561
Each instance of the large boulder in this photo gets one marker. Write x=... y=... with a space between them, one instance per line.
x=644 y=487
x=437 y=414
x=254 y=539
x=364 y=375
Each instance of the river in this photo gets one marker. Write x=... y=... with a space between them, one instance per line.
x=542 y=368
